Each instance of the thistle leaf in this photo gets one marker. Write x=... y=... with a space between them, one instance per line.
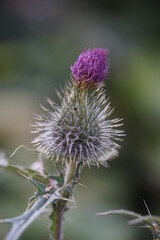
x=59 y=178
x=149 y=221
x=18 y=170
x=40 y=186
x=20 y=223
x=132 y=215
x=120 y=212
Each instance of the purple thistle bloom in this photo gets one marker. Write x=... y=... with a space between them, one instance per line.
x=91 y=66
x=80 y=129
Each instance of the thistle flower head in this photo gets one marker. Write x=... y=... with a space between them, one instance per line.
x=80 y=127
x=91 y=66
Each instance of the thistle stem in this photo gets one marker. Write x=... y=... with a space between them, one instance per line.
x=58 y=221
x=71 y=174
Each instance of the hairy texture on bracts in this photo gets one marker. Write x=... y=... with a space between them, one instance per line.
x=80 y=128
x=91 y=66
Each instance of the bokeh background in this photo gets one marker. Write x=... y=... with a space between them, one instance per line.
x=38 y=42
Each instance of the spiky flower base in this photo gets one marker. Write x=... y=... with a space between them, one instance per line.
x=79 y=129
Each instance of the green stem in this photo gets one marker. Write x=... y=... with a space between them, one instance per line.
x=58 y=221
x=71 y=174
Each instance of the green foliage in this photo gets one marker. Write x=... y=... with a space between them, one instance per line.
x=59 y=179
x=47 y=193
x=19 y=170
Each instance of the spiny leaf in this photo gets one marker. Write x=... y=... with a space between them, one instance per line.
x=15 y=169
x=131 y=214
x=59 y=179
x=149 y=221
x=20 y=223
x=120 y=212
x=40 y=186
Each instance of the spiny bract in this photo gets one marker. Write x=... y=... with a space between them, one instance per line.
x=80 y=128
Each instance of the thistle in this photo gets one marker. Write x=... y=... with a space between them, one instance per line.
x=76 y=132
x=80 y=129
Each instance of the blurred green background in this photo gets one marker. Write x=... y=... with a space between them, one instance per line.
x=38 y=42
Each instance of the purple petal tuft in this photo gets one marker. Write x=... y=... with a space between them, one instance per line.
x=91 y=66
